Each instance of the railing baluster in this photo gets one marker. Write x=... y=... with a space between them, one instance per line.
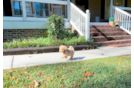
x=124 y=17
x=80 y=21
x=129 y=23
x=126 y=22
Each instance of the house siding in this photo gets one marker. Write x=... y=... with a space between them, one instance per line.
x=94 y=6
x=130 y=3
x=95 y=9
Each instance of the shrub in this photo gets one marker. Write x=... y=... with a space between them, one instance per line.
x=55 y=26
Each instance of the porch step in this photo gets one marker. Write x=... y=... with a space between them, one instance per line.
x=108 y=33
x=109 y=38
x=92 y=26
x=120 y=45
x=104 y=30
x=113 y=42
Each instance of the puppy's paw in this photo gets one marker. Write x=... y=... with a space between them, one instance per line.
x=66 y=57
x=71 y=58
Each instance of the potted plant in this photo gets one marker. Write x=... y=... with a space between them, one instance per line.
x=111 y=21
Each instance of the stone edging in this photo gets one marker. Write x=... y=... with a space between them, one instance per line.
x=31 y=50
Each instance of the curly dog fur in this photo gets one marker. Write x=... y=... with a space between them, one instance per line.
x=66 y=51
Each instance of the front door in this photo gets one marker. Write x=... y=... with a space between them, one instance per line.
x=115 y=3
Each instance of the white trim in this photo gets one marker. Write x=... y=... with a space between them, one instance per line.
x=6 y=18
x=132 y=32
x=34 y=19
x=123 y=8
x=28 y=25
x=125 y=30
x=68 y=10
x=99 y=23
x=48 y=1
x=24 y=10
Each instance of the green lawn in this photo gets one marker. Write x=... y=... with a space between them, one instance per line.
x=111 y=72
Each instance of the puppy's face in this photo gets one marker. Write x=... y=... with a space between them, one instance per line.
x=62 y=48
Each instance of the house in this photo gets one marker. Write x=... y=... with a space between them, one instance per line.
x=27 y=18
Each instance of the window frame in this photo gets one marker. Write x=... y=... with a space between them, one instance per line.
x=57 y=6
x=33 y=11
x=13 y=14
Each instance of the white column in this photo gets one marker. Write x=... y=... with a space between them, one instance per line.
x=87 y=26
x=24 y=10
x=68 y=10
x=111 y=4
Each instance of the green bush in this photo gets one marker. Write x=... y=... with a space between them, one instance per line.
x=55 y=26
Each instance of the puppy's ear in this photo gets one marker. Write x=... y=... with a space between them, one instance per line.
x=65 y=48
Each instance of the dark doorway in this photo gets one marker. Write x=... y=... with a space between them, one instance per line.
x=82 y=3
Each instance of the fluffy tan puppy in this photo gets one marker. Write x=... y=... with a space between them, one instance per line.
x=66 y=51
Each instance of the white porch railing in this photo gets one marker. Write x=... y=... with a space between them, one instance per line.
x=124 y=17
x=80 y=21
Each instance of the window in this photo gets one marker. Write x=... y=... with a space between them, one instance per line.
x=28 y=9
x=17 y=8
x=34 y=9
x=60 y=10
x=41 y=9
x=57 y=9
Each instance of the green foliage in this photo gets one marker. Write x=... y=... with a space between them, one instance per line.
x=55 y=26
x=40 y=42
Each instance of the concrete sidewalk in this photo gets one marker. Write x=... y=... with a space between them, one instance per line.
x=17 y=61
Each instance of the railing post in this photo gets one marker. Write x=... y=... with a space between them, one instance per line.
x=87 y=25
x=68 y=10
x=111 y=5
x=24 y=10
